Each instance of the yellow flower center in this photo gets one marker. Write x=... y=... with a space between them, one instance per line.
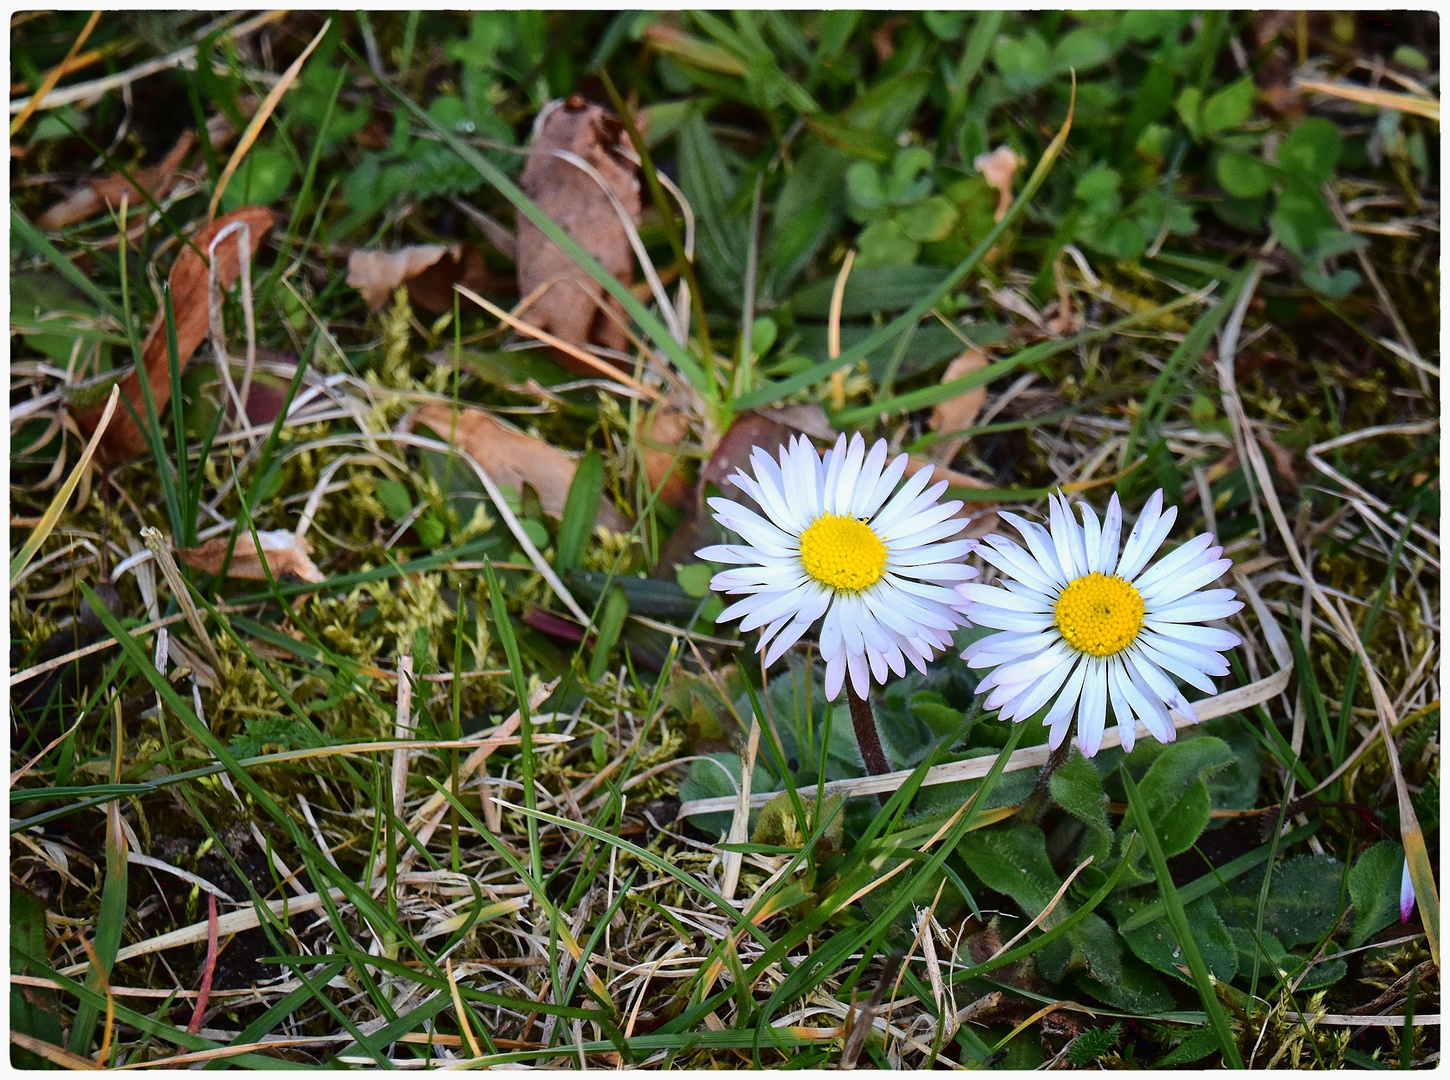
x=1098 y=614
x=842 y=553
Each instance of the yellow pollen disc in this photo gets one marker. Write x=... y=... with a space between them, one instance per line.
x=842 y=553
x=1098 y=614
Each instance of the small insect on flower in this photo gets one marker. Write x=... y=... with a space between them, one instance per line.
x=1079 y=618
x=840 y=544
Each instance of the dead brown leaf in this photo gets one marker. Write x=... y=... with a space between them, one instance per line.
x=285 y=552
x=572 y=305
x=510 y=456
x=428 y=270
x=189 y=280
x=95 y=195
x=958 y=413
x=733 y=451
x=998 y=168
x=665 y=429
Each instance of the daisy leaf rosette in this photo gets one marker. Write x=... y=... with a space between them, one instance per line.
x=1083 y=625
x=843 y=542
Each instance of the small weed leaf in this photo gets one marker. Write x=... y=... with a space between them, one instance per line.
x=1374 y=889
x=1093 y=1044
x=1303 y=897
x=1176 y=795
x=1156 y=945
x=1078 y=789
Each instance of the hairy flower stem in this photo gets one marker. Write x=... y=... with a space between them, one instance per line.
x=1035 y=803
x=867 y=737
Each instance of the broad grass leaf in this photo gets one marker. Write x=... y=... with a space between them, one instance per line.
x=581 y=509
x=1374 y=889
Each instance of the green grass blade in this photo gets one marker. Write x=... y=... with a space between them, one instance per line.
x=33 y=237
x=1178 y=920
x=581 y=509
x=505 y=629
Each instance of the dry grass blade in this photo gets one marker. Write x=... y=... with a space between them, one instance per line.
x=57 y=505
x=57 y=1055
x=833 y=330
x=48 y=84
x=603 y=367
x=1031 y=757
x=1427 y=896
x=184 y=57
x=263 y=114
x=1380 y=99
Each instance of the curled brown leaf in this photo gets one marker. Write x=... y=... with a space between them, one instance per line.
x=569 y=303
x=510 y=456
x=285 y=552
x=428 y=270
x=189 y=280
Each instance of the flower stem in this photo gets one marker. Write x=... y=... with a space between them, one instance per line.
x=867 y=737
x=1035 y=803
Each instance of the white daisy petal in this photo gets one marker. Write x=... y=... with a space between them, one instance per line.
x=1091 y=716
x=1148 y=534
x=1071 y=599
x=840 y=543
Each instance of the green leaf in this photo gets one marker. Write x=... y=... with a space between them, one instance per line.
x=581 y=509
x=1311 y=149
x=694 y=579
x=264 y=177
x=1197 y=1045
x=1138 y=989
x=1078 y=789
x=1374 y=889
x=1098 y=187
x=611 y=622
x=1081 y=49
x=32 y=1009
x=1013 y=860
x=1175 y=795
x=1244 y=176
x=709 y=183
x=1178 y=919
x=929 y=220
x=864 y=193
x=1303 y=897
x=883 y=243
x=1093 y=1044
x=1024 y=63
x=869 y=289
x=1189 y=107
x=1157 y=943
x=395 y=498
x=1229 y=108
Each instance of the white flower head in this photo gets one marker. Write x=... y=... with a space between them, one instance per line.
x=840 y=544
x=1089 y=625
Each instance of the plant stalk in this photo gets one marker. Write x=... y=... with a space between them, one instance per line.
x=1035 y=803
x=867 y=736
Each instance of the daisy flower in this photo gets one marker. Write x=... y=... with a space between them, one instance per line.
x=841 y=544
x=1091 y=626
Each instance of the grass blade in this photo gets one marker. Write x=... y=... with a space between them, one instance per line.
x=1178 y=920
